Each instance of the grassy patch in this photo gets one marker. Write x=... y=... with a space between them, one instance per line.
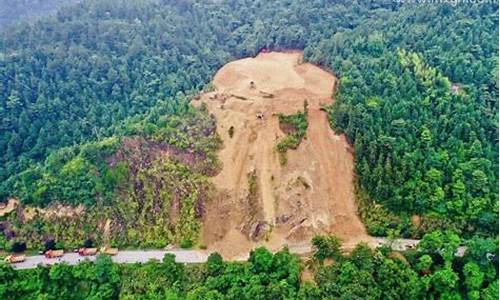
x=253 y=189
x=252 y=185
x=295 y=127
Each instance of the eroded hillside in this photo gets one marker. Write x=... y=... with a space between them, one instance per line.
x=263 y=201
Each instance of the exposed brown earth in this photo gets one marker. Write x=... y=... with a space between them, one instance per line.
x=6 y=208
x=261 y=202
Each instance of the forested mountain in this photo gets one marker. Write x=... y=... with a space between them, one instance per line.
x=73 y=87
x=95 y=113
x=100 y=62
x=88 y=95
x=97 y=64
x=12 y=11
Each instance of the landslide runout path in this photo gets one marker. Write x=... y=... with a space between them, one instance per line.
x=312 y=194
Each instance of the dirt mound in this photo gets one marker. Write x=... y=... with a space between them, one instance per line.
x=262 y=202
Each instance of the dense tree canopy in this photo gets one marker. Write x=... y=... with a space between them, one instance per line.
x=419 y=100
x=73 y=78
x=12 y=11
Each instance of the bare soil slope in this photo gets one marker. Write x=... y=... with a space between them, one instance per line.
x=259 y=201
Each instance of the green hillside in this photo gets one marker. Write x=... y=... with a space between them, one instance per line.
x=95 y=111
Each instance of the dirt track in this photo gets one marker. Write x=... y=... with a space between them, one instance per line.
x=313 y=193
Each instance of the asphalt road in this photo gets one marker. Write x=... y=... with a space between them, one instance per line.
x=187 y=256
x=136 y=256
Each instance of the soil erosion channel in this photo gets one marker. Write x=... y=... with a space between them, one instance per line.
x=260 y=201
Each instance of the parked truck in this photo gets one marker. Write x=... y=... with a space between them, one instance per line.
x=87 y=251
x=12 y=259
x=54 y=253
x=109 y=251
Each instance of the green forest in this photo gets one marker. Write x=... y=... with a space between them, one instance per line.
x=423 y=117
x=14 y=11
x=95 y=113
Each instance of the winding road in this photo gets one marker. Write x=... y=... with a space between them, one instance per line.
x=187 y=256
